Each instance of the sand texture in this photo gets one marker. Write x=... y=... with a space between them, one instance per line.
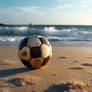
x=69 y=70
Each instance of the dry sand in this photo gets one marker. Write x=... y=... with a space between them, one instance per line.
x=69 y=70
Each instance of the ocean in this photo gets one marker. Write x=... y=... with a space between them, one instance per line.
x=67 y=36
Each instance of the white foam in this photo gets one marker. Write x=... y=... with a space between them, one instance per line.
x=50 y=29
x=51 y=32
x=22 y=28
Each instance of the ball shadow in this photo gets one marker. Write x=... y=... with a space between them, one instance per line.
x=14 y=71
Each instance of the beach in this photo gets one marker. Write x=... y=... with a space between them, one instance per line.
x=35 y=31
x=69 y=70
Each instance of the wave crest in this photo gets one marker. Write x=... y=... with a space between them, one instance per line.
x=50 y=32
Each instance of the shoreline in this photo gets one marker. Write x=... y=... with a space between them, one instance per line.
x=55 y=44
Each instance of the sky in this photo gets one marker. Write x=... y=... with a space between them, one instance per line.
x=66 y=12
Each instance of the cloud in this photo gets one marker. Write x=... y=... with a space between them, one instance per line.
x=61 y=1
x=86 y=3
x=63 y=11
x=75 y=4
x=22 y=14
x=31 y=10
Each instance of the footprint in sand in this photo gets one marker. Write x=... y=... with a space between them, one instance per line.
x=86 y=64
x=76 y=68
x=62 y=57
x=22 y=81
x=88 y=57
x=54 y=74
x=76 y=61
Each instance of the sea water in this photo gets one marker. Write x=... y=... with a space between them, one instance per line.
x=67 y=36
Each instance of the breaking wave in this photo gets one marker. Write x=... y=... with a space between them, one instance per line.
x=52 y=33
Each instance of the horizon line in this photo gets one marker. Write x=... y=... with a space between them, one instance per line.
x=3 y=24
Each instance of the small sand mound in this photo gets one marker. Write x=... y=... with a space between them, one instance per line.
x=6 y=62
x=74 y=85
x=24 y=81
x=69 y=86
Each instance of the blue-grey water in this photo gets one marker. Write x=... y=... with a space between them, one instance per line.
x=71 y=36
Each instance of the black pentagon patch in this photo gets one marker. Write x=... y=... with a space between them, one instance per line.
x=26 y=63
x=23 y=43
x=35 y=52
x=45 y=61
x=44 y=41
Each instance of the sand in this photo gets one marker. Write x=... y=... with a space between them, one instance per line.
x=69 y=70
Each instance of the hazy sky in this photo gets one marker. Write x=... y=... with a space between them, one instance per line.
x=46 y=11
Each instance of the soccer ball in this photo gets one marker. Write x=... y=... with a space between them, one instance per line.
x=35 y=51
